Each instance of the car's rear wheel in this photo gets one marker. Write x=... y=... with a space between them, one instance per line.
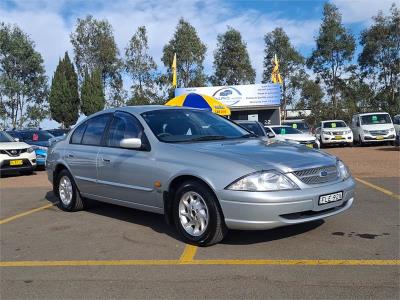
x=197 y=215
x=68 y=193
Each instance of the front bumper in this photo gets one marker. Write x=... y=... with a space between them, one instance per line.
x=380 y=138
x=265 y=210
x=28 y=163
x=337 y=139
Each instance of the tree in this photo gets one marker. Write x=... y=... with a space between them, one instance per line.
x=23 y=84
x=92 y=93
x=291 y=64
x=95 y=48
x=64 y=96
x=312 y=99
x=141 y=67
x=380 y=59
x=334 y=51
x=190 y=53
x=231 y=60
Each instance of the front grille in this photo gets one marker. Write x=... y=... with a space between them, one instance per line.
x=315 y=175
x=337 y=132
x=379 y=132
x=13 y=152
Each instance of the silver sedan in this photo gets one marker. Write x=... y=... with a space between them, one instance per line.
x=203 y=172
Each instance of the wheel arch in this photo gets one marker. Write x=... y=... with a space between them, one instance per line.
x=168 y=195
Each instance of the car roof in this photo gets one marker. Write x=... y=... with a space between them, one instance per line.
x=332 y=121
x=145 y=108
x=294 y=121
x=275 y=126
x=373 y=113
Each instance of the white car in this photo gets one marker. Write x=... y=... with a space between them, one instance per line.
x=334 y=132
x=373 y=128
x=290 y=134
x=15 y=156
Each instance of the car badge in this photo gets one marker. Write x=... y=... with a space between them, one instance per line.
x=323 y=174
x=14 y=152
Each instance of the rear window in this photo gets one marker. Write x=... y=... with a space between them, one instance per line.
x=95 y=129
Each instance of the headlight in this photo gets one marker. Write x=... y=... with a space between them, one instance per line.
x=347 y=132
x=29 y=150
x=327 y=132
x=366 y=132
x=263 y=181
x=391 y=129
x=343 y=170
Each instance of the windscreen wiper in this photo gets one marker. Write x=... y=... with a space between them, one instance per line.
x=209 y=138
x=247 y=135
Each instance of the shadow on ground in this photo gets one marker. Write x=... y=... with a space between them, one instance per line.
x=158 y=224
x=239 y=237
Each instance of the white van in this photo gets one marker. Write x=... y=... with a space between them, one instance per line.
x=372 y=128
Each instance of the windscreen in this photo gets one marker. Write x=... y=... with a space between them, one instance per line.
x=375 y=119
x=5 y=138
x=286 y=130
x=297 y=125
x=185 y=125
x=334 y=124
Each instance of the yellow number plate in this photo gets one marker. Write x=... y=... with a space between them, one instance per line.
x=338 y=137
x=17 y=162
x=379 y=137
x=309 y=145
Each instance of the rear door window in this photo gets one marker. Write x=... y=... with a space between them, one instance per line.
x=95 y=130
x=78 y=134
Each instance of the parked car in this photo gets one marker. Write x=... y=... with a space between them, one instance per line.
x=334 y=132
x=299 y=124
x=58 y=131
x=396 y=123
x=203 y=172
x=253 y=126
x=38 y=139
x=372 y=128
x=15 y=156
x=289 y=134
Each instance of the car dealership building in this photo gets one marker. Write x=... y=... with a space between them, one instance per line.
x=257 y=102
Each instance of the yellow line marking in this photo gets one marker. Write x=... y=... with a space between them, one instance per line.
x=188 y=254
x=378 y=188
x=265 y=262
x=9 y=219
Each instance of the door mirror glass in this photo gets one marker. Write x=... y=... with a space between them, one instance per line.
x=270 y=135
x=131 y=143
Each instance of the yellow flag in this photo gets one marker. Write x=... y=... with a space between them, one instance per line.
x=275 y=76
x=174 y=71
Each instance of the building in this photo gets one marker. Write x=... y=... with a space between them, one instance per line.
x=258 y=102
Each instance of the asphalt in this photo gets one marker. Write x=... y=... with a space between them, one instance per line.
x=368 y=232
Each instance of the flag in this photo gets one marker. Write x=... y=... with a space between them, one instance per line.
x=275 y=76
x=174 y=71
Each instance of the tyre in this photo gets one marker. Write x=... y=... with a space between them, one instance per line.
x=360 y=142
x=68 y=193
x=197 y=215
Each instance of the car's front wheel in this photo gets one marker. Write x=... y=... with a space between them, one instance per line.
x=68 y=193
x=197 y=215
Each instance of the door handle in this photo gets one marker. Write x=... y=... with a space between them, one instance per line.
x=69 y=155
x=107 y=160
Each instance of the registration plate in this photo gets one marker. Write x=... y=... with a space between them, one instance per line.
x=309 y=145
x=379 y=137
x=338 y=137
x=17 y=162
x=325 y=199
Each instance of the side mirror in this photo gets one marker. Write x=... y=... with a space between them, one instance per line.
x=270 y=135
x=133 y=143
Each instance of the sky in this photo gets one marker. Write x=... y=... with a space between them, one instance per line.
x=50 y=22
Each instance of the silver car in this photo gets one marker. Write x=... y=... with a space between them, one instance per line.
x=203 y=172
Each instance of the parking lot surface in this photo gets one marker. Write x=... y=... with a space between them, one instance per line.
x=114 y=252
